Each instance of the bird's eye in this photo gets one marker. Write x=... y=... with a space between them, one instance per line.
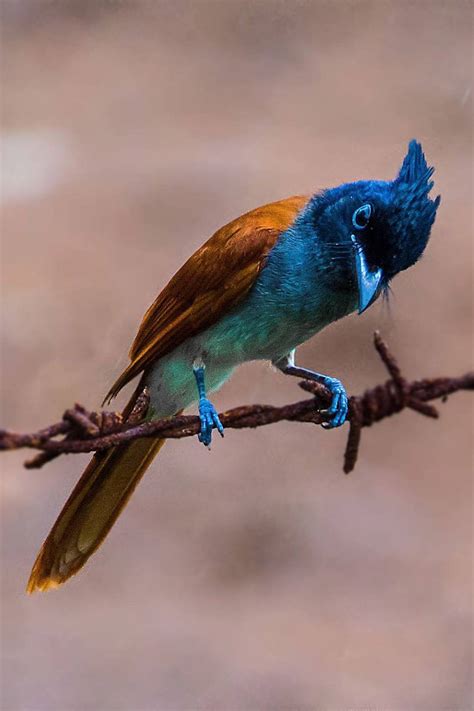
x=361 y=216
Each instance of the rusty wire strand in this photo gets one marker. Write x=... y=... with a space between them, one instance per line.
x=85 y=431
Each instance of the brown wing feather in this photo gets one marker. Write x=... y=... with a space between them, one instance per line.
x=209 y=284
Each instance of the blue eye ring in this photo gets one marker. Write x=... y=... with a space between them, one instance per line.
x=361 y=216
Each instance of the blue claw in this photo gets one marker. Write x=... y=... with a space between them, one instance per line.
x=209 y=420
x=337 y=412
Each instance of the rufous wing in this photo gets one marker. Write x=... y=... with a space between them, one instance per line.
x=209 y=284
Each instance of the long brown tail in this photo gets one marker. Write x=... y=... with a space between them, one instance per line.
x=90 y=512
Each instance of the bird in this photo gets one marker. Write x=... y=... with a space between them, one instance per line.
x=258 y=288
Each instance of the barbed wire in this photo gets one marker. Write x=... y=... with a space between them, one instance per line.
x=84 y=431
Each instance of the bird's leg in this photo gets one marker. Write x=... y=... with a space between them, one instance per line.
x=207 y=412
x=337 y=412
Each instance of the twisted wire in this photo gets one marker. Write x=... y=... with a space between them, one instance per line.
x=84 y=431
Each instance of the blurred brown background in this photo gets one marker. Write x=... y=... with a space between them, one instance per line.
x=257 y=576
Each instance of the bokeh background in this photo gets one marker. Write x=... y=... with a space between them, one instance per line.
x=256 y=576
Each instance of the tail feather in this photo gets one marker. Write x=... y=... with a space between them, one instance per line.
x=94 y=505
x=91 y=510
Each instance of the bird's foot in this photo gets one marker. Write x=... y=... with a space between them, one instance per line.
x=209 y=420
x=336 y=413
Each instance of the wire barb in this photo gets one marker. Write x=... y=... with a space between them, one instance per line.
x=84 y=431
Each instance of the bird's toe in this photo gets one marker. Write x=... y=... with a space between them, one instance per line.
x=209 y=420
x=337 y=412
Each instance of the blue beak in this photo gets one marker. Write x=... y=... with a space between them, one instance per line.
x=368 y=280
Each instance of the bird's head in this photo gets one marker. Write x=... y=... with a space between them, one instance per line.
x=376 y=229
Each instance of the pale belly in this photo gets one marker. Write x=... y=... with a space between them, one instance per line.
x=253 y=331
